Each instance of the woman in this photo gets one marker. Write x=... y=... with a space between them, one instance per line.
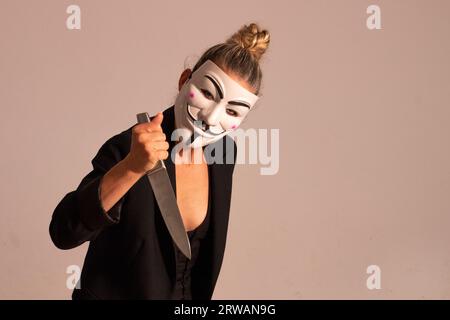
x=131 y=254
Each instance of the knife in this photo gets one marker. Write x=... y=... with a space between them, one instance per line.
x=167 y=202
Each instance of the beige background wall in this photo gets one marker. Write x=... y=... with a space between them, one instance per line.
x=364 y=127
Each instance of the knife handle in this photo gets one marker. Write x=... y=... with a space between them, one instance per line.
x=142 y=118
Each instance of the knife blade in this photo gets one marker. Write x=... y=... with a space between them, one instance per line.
x=167 y=202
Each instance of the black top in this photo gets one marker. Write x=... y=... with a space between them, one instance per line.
x=131 y=254
x=182 y=290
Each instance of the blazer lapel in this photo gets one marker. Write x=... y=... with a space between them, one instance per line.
x=213 y=247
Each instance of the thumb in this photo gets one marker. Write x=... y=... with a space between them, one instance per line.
x=155 y=124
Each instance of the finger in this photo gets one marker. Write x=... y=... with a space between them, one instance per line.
x=162 y=155
x=157 y=136
x=161 y=145
x=148 y=137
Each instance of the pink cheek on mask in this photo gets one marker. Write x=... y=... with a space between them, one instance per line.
x=233 y=126
x=191 y=94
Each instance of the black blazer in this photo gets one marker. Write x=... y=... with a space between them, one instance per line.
x=131 y=254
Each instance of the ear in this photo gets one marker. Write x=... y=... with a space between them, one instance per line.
x=184 y=77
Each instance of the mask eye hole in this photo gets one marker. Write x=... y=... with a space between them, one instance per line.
x=232 y=113
x=207 y=94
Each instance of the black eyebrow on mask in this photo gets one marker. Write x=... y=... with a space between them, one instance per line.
x=238 y=103
x=215 y=85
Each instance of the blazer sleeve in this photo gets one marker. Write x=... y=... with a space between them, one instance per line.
x=79 y=216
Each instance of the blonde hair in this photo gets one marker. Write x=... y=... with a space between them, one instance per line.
x=240 y=53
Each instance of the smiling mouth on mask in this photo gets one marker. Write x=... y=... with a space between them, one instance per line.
x=201 y=124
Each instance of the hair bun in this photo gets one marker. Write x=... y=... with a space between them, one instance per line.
x=251 y=38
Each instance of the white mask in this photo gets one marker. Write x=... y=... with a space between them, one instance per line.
x=210 y=105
